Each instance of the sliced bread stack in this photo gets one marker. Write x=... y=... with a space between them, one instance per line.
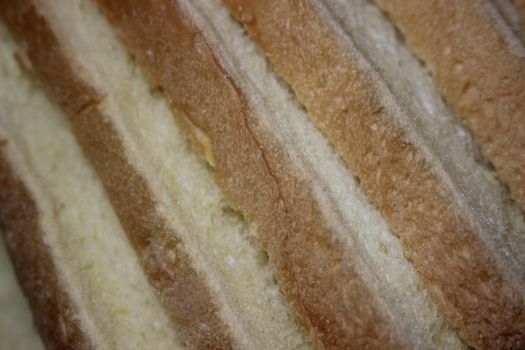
x=265 y=174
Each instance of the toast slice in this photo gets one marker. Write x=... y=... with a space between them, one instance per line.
x=381 y=111
x=216 y=286
x=75 y=265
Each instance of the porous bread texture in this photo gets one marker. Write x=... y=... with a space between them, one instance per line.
x=479 y=66
x=16 y=325
x=393 y=278
x=364 y=115
x=100 y=268
x=213 y=235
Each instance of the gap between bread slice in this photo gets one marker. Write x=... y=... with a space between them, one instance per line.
x=97 y=268
x=235 y=272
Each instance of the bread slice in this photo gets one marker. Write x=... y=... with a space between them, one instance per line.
x=479 y=66
x=335 y=259
x=81 y=276
x=216 y=286
x=382 y=113
x=16 y=325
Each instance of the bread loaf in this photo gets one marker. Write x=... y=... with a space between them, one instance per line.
x=369 y=218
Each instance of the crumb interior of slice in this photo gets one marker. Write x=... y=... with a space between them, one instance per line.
x=437 y=132
x=394 y=277
x=216 y=238
x=88 y=243
x=16 y=325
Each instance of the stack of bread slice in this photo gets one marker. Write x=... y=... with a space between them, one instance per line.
x=246 y=174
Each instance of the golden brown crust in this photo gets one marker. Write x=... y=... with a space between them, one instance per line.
x=480 y=72
x=54 y=313
x=182 y=290
x=314 y=269
x=345 y=102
